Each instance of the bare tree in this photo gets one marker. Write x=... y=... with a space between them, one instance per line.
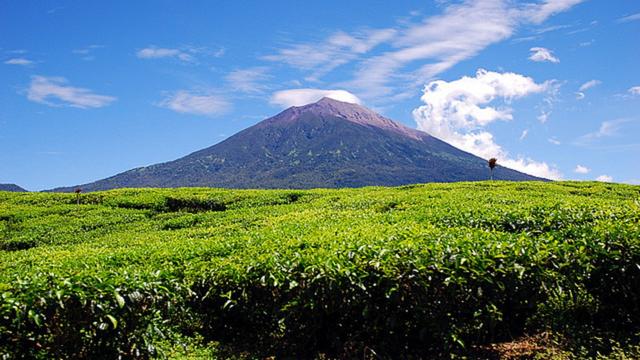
x=492 y=165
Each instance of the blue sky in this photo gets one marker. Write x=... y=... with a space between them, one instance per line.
x=91 y=89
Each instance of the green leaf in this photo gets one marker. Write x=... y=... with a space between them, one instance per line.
x=113 y=320
x=119 y=300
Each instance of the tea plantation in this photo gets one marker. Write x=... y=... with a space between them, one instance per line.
x=424 y=271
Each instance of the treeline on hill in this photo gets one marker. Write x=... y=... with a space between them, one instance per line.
x=426 y=271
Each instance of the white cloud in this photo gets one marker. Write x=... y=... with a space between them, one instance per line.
x=340 y=48
x=218 y=53
x=632 y=17
x=248 y=80
x=45 y=90
x=580 y=169
x=441 y=41
x=436 y=43
x=299 y=97
x=552 y=89
x=458 y=102
x=586 y=86
x=539 y=12
x=554 y=141
x=586 y=43
x=524 y=134
x=19 y=61
x=540 y=54
x=187 y=102
x=607 y=129
x=86 y=52
x=551 y=28
x=634 y=90
x=457 y=111
x=604 y=178
x=589 y=84
x=153 y=52
x=187 y=53
x=532 y=167
x=544 y=116
x=525 y=38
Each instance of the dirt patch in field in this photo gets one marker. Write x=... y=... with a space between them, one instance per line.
x=523 y=348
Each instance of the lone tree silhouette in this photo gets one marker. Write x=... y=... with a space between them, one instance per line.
x=492 y=165
x=78 y=191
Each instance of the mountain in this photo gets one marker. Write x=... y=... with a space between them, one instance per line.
x=325 y=144
x=11 y=187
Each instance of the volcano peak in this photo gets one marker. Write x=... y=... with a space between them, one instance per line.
x=352 y=112
x=329 y=143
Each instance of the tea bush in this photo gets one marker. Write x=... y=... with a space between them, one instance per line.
x=425 y=271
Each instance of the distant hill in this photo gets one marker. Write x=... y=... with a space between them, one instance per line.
x=325 y=144
x=11 y=187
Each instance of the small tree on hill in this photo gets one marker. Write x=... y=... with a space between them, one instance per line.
x=78 y=191
x=492 y=165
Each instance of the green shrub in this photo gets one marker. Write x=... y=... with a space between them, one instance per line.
x=424 y=271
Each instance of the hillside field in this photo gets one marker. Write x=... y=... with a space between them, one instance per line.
x=425 y=271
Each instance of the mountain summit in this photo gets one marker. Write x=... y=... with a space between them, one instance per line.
x=325 y=144
x=327 y=107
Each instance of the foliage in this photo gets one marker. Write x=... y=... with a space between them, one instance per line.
x=422 y=270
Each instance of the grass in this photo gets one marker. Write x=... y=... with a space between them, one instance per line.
x=436 y=270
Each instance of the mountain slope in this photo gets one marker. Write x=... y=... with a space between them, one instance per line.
x=325 y=144
x=11 y=187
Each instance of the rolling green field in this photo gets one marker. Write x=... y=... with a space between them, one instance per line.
x=426 y=271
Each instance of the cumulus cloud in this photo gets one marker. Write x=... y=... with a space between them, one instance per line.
x=435 y=43
x=580 y=169
x=532 y=167
x=19 y=61
x=248 y=80
x=634 y=90
x=457 y=111
x=604 y=178
x=540 y=54
x=55 y=91
x=459 y=102
x=195 y=103
x=299 y=97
